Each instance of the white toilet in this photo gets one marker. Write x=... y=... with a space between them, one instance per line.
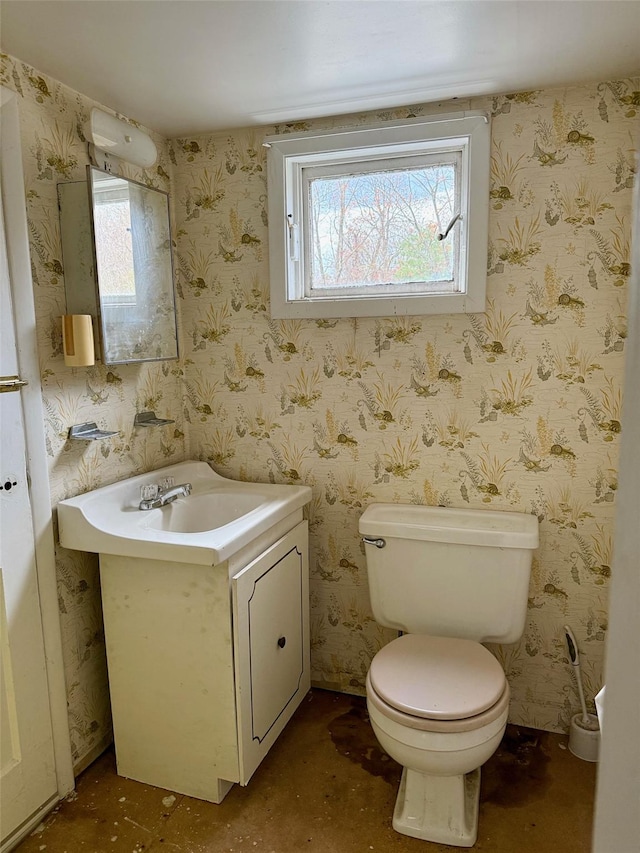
x=438 y=701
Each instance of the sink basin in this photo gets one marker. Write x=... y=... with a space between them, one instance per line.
x=199 y=513
x=214 y=522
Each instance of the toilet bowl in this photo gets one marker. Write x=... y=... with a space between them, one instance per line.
x=449 y=579
x=439 y=707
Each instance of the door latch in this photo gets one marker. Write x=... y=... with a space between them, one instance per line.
x=11 y=383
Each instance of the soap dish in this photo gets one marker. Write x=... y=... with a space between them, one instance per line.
x=149 y=419
x=88 y=432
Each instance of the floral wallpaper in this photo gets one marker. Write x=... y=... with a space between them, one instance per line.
x=517 y=409
x=55 y=151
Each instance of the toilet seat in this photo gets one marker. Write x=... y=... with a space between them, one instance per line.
x=437 y=684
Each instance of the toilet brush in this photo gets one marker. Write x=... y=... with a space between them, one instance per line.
x=584 y=732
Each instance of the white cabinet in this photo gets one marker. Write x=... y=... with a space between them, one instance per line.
x=271 y=636
x=206 y=663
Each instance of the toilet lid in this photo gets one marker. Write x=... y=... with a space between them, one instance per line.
x=440 y=678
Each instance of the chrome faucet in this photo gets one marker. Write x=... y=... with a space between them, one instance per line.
x=166 y=496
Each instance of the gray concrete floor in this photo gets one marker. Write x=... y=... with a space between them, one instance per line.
x=326 y=787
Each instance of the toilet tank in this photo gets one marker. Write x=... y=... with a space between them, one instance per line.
x=449 y=572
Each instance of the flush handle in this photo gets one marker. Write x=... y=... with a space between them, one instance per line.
x=379 y=543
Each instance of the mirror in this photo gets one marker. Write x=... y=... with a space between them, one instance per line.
x=116 y=244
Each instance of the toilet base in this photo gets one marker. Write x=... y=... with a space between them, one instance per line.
x=442 y=809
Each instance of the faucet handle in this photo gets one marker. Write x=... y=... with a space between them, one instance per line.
x=166 y=483
x=149 y=492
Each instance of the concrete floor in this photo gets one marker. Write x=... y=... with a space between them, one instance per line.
x=326 y=787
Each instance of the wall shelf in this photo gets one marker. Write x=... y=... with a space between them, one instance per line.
x=149 y=419
x=88 y=432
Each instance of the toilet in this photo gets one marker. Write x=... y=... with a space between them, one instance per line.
x=438 y=700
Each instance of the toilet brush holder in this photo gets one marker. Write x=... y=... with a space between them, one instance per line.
x=584 y=737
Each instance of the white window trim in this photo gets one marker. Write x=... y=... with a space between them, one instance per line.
x=289 y=154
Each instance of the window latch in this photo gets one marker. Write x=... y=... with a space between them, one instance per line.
x=444 y=234
x=294 y=238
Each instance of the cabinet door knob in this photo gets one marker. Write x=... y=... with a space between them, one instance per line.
x=282 y=641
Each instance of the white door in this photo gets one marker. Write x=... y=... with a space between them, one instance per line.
x=27 y=767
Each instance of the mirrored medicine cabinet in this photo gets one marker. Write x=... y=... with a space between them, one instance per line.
x=116 y=252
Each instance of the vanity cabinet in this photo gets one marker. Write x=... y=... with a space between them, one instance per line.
x=206 y=663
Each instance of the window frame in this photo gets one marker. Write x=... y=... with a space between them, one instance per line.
x=289 y=155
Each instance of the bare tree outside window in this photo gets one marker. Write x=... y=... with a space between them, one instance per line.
x=381 y=227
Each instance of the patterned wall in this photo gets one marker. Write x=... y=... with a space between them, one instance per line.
x=517 y=409
x=55 y=151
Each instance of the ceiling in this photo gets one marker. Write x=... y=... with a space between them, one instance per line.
x=183 y=67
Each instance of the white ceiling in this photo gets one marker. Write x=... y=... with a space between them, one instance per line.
x=187 y=66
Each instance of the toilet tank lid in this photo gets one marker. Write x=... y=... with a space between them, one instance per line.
x=494 y=528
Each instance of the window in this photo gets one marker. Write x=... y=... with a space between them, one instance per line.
x=380 y=221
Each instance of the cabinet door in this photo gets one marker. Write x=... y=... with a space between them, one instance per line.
x=271 y=644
